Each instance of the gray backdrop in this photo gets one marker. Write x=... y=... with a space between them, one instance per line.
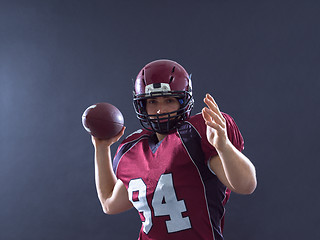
x=260 y=60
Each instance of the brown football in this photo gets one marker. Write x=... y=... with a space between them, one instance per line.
x=102 y=120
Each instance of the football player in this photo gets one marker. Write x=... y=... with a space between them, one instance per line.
x=178 y=171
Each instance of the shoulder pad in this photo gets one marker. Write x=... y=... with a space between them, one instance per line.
x=135 y=135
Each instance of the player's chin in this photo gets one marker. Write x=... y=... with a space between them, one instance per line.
x=163 y=118
x=159 y=121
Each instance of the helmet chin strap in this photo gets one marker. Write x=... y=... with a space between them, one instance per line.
x=164 y=127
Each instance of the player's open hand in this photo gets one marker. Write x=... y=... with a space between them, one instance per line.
x=216 y=123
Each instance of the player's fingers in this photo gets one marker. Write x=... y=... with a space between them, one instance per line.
x=117 y=137
x=209 y=100
x=215 y=126
x=206 y=116
x=112 y=140
x=209 y=122
x=215 y=117
x=211 y=105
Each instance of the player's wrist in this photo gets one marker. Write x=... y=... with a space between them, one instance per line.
x=102 y=148
x=224 y=146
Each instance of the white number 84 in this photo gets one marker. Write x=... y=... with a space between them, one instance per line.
x=164 y=202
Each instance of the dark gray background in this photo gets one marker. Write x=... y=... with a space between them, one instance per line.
x=260 y=60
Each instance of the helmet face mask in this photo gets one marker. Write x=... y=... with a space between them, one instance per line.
x=163 y=78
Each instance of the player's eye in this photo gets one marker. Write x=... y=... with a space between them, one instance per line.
x=170 y=100
x=151 y=101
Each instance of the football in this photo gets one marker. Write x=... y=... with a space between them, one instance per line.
x=102 y=120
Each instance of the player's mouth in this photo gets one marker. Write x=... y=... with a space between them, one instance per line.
x=159 y=120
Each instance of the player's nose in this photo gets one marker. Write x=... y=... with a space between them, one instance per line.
x=162 y=109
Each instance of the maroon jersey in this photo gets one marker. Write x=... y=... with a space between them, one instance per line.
x=170 y=183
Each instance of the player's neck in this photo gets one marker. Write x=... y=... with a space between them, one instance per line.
x=160 y=136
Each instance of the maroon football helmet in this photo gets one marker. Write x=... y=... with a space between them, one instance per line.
x=163 y=78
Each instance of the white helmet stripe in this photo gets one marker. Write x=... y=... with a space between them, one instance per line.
x=157 y=87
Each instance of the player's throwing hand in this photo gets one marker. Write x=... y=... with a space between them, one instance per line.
x=216 y=123
x=107 y=142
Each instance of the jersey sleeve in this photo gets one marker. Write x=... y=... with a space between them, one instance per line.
x=233 y=132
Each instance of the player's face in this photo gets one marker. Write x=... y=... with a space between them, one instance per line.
x=161 y=105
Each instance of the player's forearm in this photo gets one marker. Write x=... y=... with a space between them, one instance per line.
x=239 y=170
x=104 y=176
